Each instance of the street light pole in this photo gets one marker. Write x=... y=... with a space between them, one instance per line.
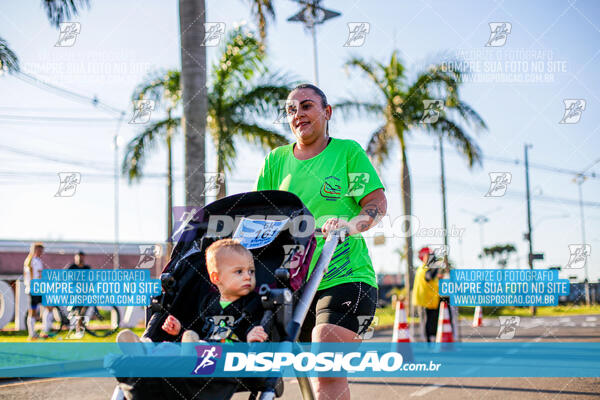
x=310 y=15
x=313 y=29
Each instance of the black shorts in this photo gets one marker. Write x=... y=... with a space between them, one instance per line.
x=349 y=305
x=35 y=301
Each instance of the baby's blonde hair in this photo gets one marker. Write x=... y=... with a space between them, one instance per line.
x=224 y=244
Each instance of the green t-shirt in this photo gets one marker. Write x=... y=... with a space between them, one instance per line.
x=331 y=185
x=224 y=304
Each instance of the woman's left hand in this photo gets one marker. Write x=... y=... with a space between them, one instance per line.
x=335 y=223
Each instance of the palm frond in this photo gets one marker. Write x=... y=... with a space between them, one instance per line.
x=261 y=99
x=159 y=87
x=138 y=148
x=59 y=11
x=470 y=115
x=379 y=146
x=262 y=10
x=350 y=108
x=458 y=137
x=242 y=58
x=368 y=69
x=8 y=59
x=266 y=138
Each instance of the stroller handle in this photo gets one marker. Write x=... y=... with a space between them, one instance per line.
x=310 y=289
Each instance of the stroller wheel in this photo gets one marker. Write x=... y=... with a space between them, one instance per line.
x=279 y=387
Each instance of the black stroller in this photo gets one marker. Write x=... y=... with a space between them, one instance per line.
x=282 y=254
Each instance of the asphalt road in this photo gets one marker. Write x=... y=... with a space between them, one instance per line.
x=571 y=329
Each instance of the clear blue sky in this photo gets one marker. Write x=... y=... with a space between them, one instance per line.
x=121 y=41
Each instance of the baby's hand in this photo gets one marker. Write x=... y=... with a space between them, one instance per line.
x=171 y=325
x=257 y=334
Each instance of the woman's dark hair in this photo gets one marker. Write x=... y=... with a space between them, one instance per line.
x=319 y=93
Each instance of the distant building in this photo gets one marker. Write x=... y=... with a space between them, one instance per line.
x=58 y=255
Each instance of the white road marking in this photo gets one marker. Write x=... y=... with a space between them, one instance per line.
x=425 y=390
x=591 y=319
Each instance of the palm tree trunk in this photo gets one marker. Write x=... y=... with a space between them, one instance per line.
x=193 y=76
x=169 y=192
x=222 y=192
x=407 y=206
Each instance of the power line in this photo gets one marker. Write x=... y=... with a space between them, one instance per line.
x=45 y=157
x=517 y=161
x=66 y=93
x=39 y=118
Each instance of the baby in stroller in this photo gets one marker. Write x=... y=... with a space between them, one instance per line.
x=231 y=269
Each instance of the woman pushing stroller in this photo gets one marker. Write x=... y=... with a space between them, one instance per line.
x=340 y=187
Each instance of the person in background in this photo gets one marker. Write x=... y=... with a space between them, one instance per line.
x=32 y=269
x=78 y=311
x=426 y=292
x=79 y=261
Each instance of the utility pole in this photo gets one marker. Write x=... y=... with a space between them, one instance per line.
x=580 y=179
x=528 y=234
x=444 y=216
x=116 y=140
x=456 y=325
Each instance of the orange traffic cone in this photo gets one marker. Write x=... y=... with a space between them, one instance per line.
x=400 y=334
x=477 y=321
x=444 y=329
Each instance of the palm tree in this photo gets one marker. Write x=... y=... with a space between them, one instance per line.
x=236 y=99
x=262 y=10
x=57 y=11
x=192 y=16
x=237 y=95
x=165 y=90
x=401 y=107
x=500 y=252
